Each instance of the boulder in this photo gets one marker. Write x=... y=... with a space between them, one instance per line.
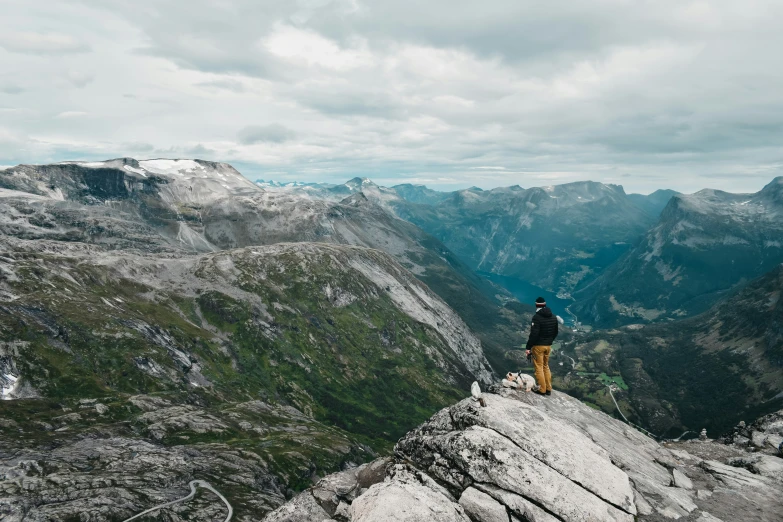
x=521 y=508
x=405 y=498
x=482 y=455
x=303 y=508
x=764 y=435
x=330 y=491
x=737 y=478
x=373 y=473
x=680 y=480
x=760 y=464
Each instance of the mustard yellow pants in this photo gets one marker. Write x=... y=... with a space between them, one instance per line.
x=541 y=363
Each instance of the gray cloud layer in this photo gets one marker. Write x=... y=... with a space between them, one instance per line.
x=452 y=93
x=272 y=133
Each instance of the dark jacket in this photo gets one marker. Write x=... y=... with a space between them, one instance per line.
x=544 y=329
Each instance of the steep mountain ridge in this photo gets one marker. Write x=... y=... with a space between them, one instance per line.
x=703 y=245
x=183 y=320
x=191 y=206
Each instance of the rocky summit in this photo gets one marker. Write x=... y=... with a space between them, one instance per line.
x=533 y=459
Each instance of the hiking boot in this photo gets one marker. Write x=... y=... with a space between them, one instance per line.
x=540 y=393
x=548 y=393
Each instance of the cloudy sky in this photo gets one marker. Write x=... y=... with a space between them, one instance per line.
x=450 y=93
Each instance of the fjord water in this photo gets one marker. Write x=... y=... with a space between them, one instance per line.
x=527 y=293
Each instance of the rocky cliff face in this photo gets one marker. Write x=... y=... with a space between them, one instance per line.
x=533 y=459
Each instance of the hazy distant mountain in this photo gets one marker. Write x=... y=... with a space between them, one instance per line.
x=653 y=203
x=420 y=194
x=556 y=237
x=703 y=245
x=291 y=184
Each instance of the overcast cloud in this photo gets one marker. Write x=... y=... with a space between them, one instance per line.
x=449 y=93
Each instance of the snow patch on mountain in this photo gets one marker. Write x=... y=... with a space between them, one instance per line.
x=8 y=385
x=10 y=377
x=171 y=167
x=188 y=182
x=135 y=170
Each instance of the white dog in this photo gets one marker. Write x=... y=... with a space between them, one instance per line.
x=520 y=381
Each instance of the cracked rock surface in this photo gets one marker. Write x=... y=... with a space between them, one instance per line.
x=525 y=458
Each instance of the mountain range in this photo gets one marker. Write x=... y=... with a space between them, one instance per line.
x=192 y=206
x=703 y=245
x=715 y=242
x=624 y=258
x=173 y=308
x=557 y=237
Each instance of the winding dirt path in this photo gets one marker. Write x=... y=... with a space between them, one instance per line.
x=193 y=485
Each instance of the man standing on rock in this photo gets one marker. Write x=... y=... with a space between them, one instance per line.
x=543 y=333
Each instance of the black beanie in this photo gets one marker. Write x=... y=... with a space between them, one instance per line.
x=540 y=302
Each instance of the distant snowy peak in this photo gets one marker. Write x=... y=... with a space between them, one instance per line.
x=189 y=181
x=178 y=182
x=359 y=184
x=279 y=184
x=180 y=169
x=273 y=184
x=766 y=204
